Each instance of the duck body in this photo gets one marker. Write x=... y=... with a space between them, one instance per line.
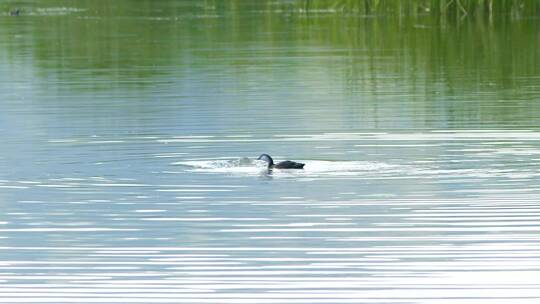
x=287 y=164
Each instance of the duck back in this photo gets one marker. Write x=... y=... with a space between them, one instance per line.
x=289 y=164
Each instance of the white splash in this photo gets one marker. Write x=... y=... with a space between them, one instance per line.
x=313 y=168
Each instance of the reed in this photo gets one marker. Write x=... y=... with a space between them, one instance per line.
x=513 y=8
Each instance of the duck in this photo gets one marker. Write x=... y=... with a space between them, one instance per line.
x=287 y=164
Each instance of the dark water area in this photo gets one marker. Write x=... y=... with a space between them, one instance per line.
x=124 y=125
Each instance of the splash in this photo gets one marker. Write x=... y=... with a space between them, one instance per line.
x=313 y=168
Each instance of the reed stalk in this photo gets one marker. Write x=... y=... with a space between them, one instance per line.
x=513 y=8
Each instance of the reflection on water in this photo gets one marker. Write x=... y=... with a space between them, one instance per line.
x=130 y=132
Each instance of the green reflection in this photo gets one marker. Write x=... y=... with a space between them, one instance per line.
x=136 y=39
x=429 y=51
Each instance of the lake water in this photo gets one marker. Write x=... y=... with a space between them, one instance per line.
x=123 y=123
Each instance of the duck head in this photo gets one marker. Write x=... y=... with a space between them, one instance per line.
x=267 y=158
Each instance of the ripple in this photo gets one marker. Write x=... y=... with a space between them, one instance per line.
x=313 y=168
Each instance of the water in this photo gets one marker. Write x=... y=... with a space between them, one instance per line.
x=124 y=127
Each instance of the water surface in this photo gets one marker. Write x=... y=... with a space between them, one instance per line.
x=123 y=123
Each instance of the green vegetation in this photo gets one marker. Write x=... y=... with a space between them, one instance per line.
x=481 y=55
x=134 y=41
x=513 y=8
x=500 y=9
